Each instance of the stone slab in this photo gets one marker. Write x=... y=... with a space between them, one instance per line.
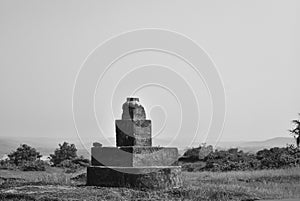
x=134 y=156
x=135 y=177
x=110 y=156
x=133 y=133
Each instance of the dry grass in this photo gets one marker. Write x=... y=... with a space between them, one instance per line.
x=283 y=183
x=51 y=176
x=252 y=185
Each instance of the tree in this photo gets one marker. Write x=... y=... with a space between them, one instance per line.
x=296 y=131
x=65 y=151
x=24 y=153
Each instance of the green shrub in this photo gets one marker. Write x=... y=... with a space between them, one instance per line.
x=66 y=157
x=24 y=158
x=81 y=161
x=7 y=165
x=197 y=154
x=65 y=151
x=71 y=166
x=37 y=165
x=234 y=159
x=228 y=160
x=68 y=164
x=192 y=167
x=279 y=157
x=24 y=153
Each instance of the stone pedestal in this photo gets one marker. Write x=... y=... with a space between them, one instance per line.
x=133 y=133
x=133 y=156
x=152 y=177
x=134 y=162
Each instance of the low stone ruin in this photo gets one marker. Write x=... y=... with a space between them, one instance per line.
x=134 y=163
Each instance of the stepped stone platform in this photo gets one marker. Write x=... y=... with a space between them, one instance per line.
x=134 y=162
x=133 y=156
x=159 y=177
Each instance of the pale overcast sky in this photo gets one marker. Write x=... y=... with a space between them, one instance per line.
x=254 y=44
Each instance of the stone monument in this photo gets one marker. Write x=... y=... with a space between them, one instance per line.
x=134 y=163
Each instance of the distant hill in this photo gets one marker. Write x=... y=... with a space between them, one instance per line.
x=274 y=142
x=253 y=146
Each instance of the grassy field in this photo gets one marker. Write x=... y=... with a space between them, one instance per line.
x=56 y=185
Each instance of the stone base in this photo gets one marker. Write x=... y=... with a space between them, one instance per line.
x=135 y=177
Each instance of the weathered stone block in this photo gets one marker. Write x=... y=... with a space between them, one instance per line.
x=134 y=156
x=135 y=177
x=110 y=156
x=152 y=156
x=133 y=133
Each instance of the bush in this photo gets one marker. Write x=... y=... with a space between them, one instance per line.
x=65 y=151
x=24 y=158
x=279 y=157
x=81 y=161
x=69 y=166
x=196 y=154
x=37 y=165
x=7 y=165
x=233 y=159
x=193 y=167
x=66 y=157
x=24 y=153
